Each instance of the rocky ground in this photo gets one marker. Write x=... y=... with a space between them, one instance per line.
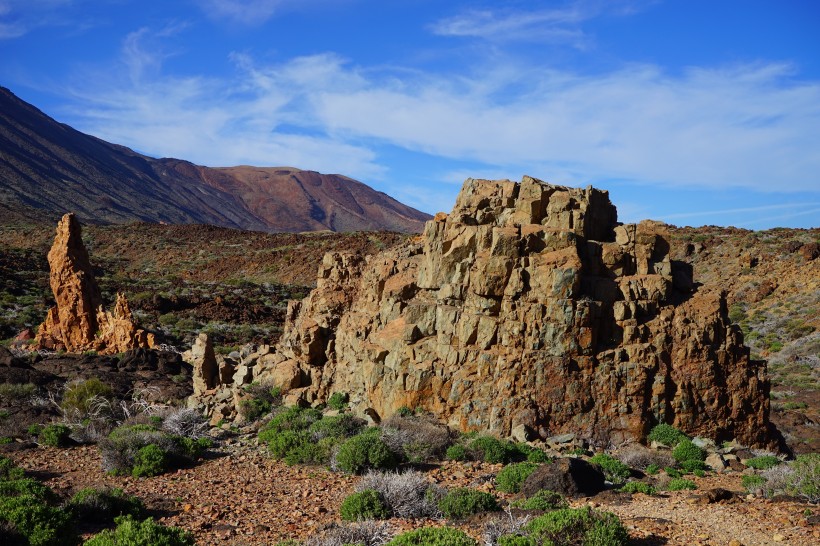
x=241 y=496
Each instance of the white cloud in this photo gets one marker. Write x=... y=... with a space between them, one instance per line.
x=255 y=12
x=23 y=16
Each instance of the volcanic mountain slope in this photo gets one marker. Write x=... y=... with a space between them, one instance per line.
x=49 y=166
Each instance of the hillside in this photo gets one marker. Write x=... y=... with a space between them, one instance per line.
x=50 y=167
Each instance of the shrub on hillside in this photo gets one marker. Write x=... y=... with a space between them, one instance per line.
x=753 y=482
x=126 y=450
x=366 y=504
x=666 y=434
x=141 y=533
x=639 y=487
x=416 y=437
x=461 y=502
x=688 y=451
x=800 y=478
x=55 y=435
x=614 y=470
x=82 y=399
x=39 y=523
x=185 y=422
x=433 y=536
x=763 y=462
x=103 y=505
x=510 y=478
x=641 y=457
x=578 y=526
x=693 y=466
x=542 y=500
x=407 y=494
x=680 y=484
x=363 y=533
x=456 y=452
x=492 y=450
x=338 y=401
x=363 y=452
x=9 y=470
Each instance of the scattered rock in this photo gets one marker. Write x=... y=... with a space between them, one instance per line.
x=569 y=476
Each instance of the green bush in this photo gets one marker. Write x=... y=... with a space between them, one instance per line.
x=103 y=505
x=639 y=487
x=27 y=487
x=56 y=435
x=585 y=526
x=614 y=470
x=804 y=478
x=672 y=472
x=666 y=434
x=542 y=500
x=9 y=470
x=764 y=462
x=652 y=469
x=151 y=460
x=146 y=533
x=456 y=452
x=679 y=484
x=338 y=400
x=492 y=450
x=339 y=426
x=366 y=504
x=753 y=482
x=254 y=408
x=461 y=502
x=688 y=451
x=433 y=536
x=39 y=523
x=694 y=466
x=538 y=456
x=367 y=450
x=78 y=398
x=292 y=418
x=511 y=477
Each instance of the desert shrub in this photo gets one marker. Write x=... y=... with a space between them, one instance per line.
x=186 y=422
x=27 y=487
x=570 y=526
x=456 y=452
x=753 y=482
x=253 y=408
x=56 y=435
x=800 y=478
x=365 y=451
x=363 y=533
x=292 y=418
x=39 y=523
x=492 y=450
x=103 y=505
x=338 y=401
x=366 y=504
x=461 y=502
x=652 y=469
x=151 y=460
x=417 y=438
x=680 y=484
x=694 y=466
x=542 y=500
x=9 y=470
x=538 y=456
x=672 y=472
x=764 y=462
x=144 y=533
x=79 y=399
x=122 y=450
x=614 y=470
x=641 y=457
x=433 y=536
x=638 y=487
x=406 y=495
x=688 y=451
x=339 y=426
x=666 y=434
x=16 y=392
x=511 y=477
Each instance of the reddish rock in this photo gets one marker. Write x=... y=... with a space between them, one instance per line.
x=78 y=322
x=527 y=305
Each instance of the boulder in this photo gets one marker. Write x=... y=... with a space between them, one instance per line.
x=206 y=369
x=570 y=477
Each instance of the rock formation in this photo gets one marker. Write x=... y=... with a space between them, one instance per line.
x=78 y=322
x=530 y=308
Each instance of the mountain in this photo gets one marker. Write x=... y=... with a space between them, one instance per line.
x=52 y=168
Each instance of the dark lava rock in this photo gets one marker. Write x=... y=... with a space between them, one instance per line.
x=568 y=476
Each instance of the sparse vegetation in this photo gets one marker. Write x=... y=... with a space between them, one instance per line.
x=433 y=536
x=666 y=435
x=141 y=533
x=461 y=502
x=365 y=504
x=511 y=477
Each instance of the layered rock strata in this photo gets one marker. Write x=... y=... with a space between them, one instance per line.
x=530 y=308
x=78 y=322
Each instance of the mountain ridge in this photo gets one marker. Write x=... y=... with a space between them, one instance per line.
x=49 y=166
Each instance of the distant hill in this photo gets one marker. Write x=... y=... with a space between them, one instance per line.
x=50 y=167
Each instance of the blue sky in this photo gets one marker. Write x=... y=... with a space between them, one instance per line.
x=689 y=111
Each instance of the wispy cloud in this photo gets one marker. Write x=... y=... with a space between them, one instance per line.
x=745 y=126
x=19 y=17
x=561 y=23
x=795 y=208
x=255 y=12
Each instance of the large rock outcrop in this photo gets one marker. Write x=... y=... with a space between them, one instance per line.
x=527 y=305
x=79 y=322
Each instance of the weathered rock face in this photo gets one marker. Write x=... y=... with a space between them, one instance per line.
x=527 y=305
x=78 y=322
